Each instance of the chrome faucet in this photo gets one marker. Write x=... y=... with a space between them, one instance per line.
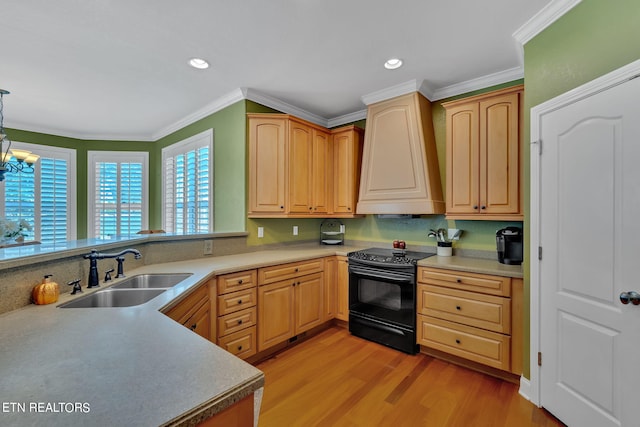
x=93 y=258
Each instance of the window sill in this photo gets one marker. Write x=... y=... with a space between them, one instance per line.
x=17 y=256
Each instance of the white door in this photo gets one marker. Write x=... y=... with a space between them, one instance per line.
x=590 y=238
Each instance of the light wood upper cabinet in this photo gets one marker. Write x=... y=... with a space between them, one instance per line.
x=294 y=171
x=347 y=159
x=483 y=156
x=400 y=172
x=267 y=164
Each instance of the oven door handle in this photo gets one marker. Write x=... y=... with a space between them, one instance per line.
x=381 y=274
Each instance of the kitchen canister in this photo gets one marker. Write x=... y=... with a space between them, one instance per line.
x=444 y=249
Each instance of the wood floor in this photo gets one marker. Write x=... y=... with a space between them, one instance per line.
x=335 y=379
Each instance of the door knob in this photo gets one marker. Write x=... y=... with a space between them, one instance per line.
x=632 y=297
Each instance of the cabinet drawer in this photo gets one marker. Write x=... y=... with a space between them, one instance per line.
x=236 y=301
x=237 y=321
x=241 y=343
x=236 y=281
x=286 y=271
x=478 y=345
x=486 y=284
x=469 y=308
x=183 y=310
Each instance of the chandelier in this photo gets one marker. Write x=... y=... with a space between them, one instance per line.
x=12 y=159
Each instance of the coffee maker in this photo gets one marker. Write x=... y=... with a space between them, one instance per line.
x=509 y=245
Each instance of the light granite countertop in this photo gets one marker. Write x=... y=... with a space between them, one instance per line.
x=126 y=366
x=134 y=365
x=472 y=265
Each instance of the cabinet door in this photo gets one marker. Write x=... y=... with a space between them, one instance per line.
x=309 y=294
x=321 y=172
x=500 y=155
x=463 y=157
x=275 y=313
x=300 y=152
x=342 y=303
x=267 y=148
x=200 y=323
x=330 y=287
x=347 y=155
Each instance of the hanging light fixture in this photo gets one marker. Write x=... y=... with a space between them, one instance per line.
x=12 y=159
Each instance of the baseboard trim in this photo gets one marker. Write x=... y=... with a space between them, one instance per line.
x=525 y=388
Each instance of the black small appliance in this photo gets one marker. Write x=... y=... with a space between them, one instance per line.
x=509 y=245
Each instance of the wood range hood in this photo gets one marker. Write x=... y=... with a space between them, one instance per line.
x=400 y=172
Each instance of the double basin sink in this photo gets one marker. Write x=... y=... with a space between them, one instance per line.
x=132 y=291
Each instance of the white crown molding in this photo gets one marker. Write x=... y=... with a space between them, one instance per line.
x=75 y=135
x=347 y=118
x=270 y=101
x=478 y=83
x=212 y=107
x=541 y=20
x=391 y=92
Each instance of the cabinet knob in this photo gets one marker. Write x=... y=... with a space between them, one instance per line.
x=349 y=208
x=240 y=322
x=297 y=269
x=457 y=341
x=475 y=207
x=240 y=282
x=281 y=207
x=310 y=208
x=458 y=280
x=483 y=207
x=239 y=347
x=239 y=301
x=458 y=307
x=193 y=327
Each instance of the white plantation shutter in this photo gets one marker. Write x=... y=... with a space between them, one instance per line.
x=118 y=193
x=46 y=199
x=188 y=187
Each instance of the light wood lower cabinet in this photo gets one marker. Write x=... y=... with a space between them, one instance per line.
x=292 y=305
x=237 y=312
x=474 y=316
x=194 y=312
x=342 y=302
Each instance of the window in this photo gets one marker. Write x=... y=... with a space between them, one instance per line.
x=118 y=193
x=46 y=198
x=187 y=185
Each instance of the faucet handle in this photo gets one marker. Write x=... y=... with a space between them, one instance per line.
x=76 y=286
x=107 y=275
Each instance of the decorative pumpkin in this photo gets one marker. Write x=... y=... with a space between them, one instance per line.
x=45 y=293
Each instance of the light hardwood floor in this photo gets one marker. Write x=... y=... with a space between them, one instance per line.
x=335 y=379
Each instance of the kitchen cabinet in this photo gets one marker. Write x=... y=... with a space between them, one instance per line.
x=472 y=316
x=290 y=301
x=294 y=171
x=310 y=164
x=347 y=161
x=237 y=312
x=342 y=301
x=194 y=312
x=484 y=176
x=400 y=171
x=267 y=164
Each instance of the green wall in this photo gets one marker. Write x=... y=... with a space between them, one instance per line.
x=592 y=39
x=82 y=147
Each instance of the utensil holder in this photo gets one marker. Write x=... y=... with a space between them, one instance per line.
x=444 y=249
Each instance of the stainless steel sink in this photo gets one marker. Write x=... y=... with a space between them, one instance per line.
x=156 y=281
x=114 y=298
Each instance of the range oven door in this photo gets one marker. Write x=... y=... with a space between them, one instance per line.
x=383 y=293
x=382 y=306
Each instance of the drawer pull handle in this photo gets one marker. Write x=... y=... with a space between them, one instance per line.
x=458 y=307
x=459 y=280
x=193 y=327
x=239 y=301
x=457 y=341
x=240 y=322
x=297 y=269
x=240 y=282
x=239 y=347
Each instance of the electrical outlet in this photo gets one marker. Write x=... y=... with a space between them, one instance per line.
x=208 y=247
x=295 y=230
x=260 y=232
x=454 y=234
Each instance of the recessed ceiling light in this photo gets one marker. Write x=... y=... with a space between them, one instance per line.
x=393 y=63
x=198 y=63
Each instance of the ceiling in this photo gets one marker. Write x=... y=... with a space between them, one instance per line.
x=117 y=69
